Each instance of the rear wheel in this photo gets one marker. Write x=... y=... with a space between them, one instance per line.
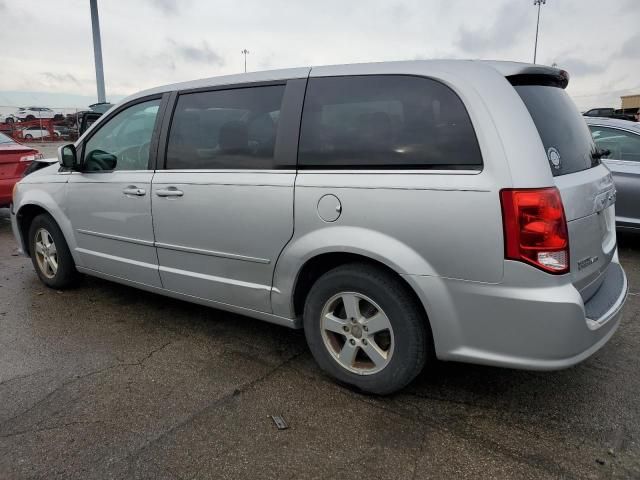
x=9 y=120
x=30 y=118
x=50 y=253
x=365 y=329
x=28 y=136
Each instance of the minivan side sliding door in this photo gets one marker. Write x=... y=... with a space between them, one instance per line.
x=223 y=205
x=109 y=205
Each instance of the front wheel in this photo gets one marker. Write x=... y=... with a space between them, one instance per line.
x=50 y=254
x=365 y=329
x=28 y=136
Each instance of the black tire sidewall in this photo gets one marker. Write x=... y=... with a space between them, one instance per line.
x=66 y=272
x=408 y=323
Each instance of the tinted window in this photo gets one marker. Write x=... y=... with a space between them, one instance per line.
x=563 y=131
x=126 y=136
x=385 y=121
x=622 y=145
x=225 y=129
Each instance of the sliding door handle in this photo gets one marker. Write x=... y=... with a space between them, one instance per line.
x=169 y=192
x=133 y=190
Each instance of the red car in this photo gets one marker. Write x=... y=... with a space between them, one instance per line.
x=15 y=159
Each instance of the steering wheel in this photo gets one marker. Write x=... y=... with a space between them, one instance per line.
x=135 y=154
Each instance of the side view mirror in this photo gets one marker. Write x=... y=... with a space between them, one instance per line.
x=67 y=156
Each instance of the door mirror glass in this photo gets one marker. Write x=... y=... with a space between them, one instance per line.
x=100 y=161
x=67 y=156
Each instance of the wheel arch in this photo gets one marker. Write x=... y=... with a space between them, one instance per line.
x=332 y=243
x=29 y=210
x=320 y=264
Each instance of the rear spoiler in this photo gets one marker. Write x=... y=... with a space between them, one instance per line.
x=561 y=79
x=531 y=74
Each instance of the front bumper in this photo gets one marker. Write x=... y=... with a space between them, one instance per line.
x=531 y=320
x=16 y=231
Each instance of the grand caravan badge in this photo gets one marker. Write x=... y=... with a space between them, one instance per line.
x=554 y=157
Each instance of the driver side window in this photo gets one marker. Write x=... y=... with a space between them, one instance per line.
x=122 y=143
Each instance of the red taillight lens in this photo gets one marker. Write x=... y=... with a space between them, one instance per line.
x=535 y=228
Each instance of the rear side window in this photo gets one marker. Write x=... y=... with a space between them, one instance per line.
x=562 y=129
x=225 y=129
x=385 y=122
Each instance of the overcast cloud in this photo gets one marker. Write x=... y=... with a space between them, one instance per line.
x=153 y=42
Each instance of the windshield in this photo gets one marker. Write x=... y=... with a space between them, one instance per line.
x=562 y=129
x=6 y=139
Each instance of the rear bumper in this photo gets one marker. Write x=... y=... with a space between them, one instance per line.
x=531 y=320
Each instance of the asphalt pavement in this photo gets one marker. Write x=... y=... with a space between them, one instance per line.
x=105 y=381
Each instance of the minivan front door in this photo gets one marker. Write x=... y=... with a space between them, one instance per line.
x=108 y=202
x=223 y=206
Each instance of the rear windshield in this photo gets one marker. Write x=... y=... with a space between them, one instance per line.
x=563 y=131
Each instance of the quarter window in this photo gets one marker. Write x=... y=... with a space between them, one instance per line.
x=124 y=139
x=385 y=122
x=225 y=129
x=622 y=145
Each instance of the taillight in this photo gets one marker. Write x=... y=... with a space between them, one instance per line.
x=535 y=228
x=31 y=158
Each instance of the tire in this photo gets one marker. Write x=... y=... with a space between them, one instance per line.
x=29 y=118
x=44 y=229
x=28 y=136
x=9 y=120
x=405 y=345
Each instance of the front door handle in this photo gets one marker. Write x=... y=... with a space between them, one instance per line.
x=133 y=190
x=169 y=192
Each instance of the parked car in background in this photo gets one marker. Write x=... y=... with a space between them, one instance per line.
x=7 y=118
x=399 y=212
x=621 y=139
x=35 y=113
x=609 y=113
x=35 y=132
x=62 y=131
x=599 y=112
x=15 y=161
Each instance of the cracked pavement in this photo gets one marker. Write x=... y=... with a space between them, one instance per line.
x=105 y=381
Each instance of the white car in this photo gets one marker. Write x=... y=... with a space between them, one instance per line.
x=7 y=118
x=30 y=133
x=35 y=113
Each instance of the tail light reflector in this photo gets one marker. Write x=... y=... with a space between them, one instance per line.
x=535 y=228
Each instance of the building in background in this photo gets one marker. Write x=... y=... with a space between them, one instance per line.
x=630 y=101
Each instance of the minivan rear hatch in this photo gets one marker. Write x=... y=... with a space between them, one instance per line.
x=585 y=185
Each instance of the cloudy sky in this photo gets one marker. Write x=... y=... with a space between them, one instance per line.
x=47 y=51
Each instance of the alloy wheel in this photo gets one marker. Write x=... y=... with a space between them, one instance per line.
x=46 y=253
x=357 y=333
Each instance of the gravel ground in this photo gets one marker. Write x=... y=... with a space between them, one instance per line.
x=105 y=381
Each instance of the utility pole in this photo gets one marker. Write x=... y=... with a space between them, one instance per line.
x=97 y=50
x=245 y=52
x=539 y=3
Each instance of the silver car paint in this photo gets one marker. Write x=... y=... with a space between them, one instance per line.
x=440 y=230
x=626 y=175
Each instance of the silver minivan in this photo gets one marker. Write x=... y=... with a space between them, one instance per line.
x=399 y=212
